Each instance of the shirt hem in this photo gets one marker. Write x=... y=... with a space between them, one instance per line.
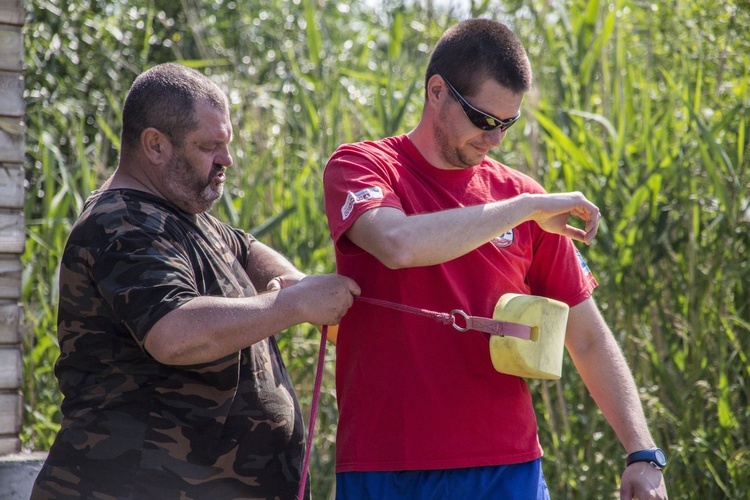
x=402 y=465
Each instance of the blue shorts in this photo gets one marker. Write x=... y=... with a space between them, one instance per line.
x=507 y=482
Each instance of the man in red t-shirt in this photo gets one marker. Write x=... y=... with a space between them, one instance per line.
x=427 y=220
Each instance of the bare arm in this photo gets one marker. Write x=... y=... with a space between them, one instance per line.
x=209 y=328
x=605 y=372
x=266 y=267
x=399 y=241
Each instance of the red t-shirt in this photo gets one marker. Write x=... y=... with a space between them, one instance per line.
x=413 y=393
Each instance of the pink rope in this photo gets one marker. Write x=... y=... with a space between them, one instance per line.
x=444 y=318
x=313 y=410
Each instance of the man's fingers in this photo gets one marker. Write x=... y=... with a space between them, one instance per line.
x=591 y=216
x=592 y=227
x=575 y=234
x=352 y=286
x=274 y=285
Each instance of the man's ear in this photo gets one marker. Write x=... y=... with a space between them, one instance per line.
x=156 y=145
x=436 y=90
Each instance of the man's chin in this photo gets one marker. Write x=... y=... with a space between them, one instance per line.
x=207 y=201
x=470 y=162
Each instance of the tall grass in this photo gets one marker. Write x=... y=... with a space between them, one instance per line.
x=641 y=106
x=655 y=133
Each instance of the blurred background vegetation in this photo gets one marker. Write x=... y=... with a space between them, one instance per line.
x=642 y=105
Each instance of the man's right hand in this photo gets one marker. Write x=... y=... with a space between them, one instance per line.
x=324 y=298
x=554 y=210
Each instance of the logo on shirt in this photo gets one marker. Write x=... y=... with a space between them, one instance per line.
x=358 y=197
x=504 y=240
x=582 y=262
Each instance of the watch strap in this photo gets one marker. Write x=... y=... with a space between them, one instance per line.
x=653 y=456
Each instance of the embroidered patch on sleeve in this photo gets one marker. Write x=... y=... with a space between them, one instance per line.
x=582 y=262
x=358 y=197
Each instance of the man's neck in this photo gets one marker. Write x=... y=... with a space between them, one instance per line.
x=423 y=141
x=122 y=179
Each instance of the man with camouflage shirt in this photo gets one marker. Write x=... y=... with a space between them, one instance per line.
x=173 y=383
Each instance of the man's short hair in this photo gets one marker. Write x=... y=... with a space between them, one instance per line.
x=165 y=98
x=475 y=50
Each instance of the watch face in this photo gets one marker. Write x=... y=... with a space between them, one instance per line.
x=661 y=458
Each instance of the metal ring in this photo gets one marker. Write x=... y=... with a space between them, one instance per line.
x=459 y=312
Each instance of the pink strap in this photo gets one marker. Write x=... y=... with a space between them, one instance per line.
x=486 y=325
x=313 y=410
x=444 y=318
x=494 y=327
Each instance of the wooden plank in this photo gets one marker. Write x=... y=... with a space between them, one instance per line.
x=11 y=40
x=11 y=367
x=11 y=186
x=9 y=444
x=12 y=12
x=10 y=314
x=11 y=140
x=11 y=93
x=12 y=148
x=10 y=277
x=10 y=412
x=12 y=235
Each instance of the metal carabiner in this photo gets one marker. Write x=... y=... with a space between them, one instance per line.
x=459 y=312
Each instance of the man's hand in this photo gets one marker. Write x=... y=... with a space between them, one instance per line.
x=323 y=299
x=554 y=210
x=642 y=481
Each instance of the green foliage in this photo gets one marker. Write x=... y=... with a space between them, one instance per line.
x=648 y=116
x=643 y=107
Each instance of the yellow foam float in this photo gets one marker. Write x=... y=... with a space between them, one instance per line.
x=540 y=357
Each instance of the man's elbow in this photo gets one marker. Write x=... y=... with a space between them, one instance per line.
x=171 y=344
x=165 y=352
x=397 y=254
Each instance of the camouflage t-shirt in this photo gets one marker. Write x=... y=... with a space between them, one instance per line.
x=133 y=427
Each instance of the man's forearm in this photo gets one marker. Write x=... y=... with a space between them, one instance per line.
x=265 y=264
x=605 y=372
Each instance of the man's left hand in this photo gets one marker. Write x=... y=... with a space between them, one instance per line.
x=642 y=481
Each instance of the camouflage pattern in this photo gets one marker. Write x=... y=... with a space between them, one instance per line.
x=133 y=427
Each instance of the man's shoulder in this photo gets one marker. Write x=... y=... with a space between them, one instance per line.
x=119 y=201
x=109 y=214
x=387 y=147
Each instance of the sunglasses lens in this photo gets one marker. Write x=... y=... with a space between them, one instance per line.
x=485 y=122
x=491 y=123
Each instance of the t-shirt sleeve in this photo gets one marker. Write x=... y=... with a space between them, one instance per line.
x=237 y=240
x=143 y=275
x=354 y=182
x=558 y=270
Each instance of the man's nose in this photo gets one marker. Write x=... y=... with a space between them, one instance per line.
x=225 y=158
x=495 y=136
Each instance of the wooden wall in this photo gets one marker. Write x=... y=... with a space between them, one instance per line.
x=11 y=221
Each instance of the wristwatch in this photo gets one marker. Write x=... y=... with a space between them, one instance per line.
x=655 y=457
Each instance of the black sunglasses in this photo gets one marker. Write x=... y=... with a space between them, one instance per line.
x=483 y=120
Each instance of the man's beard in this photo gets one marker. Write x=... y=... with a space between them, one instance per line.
x=454 y=156
x=188 y=191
